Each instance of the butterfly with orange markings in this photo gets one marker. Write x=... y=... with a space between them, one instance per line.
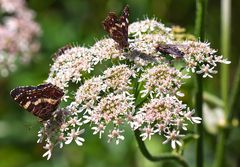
x=117 y=27
x=41 y=100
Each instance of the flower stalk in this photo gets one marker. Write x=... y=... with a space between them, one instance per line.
x=147 y=154
x=234 y=94
x=199 y=112
x=201 y=6
x=225 y=44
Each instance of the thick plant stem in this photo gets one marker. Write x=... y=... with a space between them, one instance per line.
x=199 y=102
x=146 y=153
x=201 y=6
x=225 y=39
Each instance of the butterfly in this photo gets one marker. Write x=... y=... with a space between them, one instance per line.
x=41 y=100
x=170 y=49
x=117 y=27
x=61 y=51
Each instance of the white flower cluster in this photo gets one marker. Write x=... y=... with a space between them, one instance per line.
x=163 y=115
x=162 y=79
x=200 y=58
x=63 y=128
x=18 y=34
x=149 y=26
x=113 y=109
x=138 y=86
x=106 y=49
x=118 y=77
x=69 y=67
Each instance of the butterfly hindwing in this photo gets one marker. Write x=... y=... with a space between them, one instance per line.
x=40 y=100
x=117 y=28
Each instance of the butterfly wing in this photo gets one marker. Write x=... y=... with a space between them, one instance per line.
x=124 y=20
x=170 y=49
x=40 y=100
x=117 y=28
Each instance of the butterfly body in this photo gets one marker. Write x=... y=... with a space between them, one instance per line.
x=41 y=100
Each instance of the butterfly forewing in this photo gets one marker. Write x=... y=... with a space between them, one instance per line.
x=40 y=100
x=117 y=28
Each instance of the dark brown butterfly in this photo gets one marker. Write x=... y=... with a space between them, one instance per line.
x=117 y=28
x=170 y=49
x=61 y=51
x=41 y=100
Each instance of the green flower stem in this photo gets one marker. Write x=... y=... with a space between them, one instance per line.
x=225 y=39
x=199 y=113
x=146 y=153
x=201 y=7
x=138 y=88
x=225 y=43
x=234 y=94
x=224 y=132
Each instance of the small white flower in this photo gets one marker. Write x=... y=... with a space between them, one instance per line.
x=174 y=137
x=40 y=135
x=159 y=128
x=75 y=121
x=49 y=148
x=99 y=129
x=179 y=123
x=147 y=133
x=220 y=59
x=206 y=70
x=48 y=154
x=137 y=121
x=74 y=135
x=188 y=116
x=115 y=134
x=180 y=94
x=64 y=127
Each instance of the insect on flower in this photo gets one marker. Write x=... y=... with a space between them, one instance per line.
x=41 y=100
x=61 y=51
x=170 y=49
x=117 y=28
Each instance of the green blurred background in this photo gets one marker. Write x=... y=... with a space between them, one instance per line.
x=79 y=21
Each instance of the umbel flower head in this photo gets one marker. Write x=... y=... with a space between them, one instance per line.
x=18 y=34
x=127 y=84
